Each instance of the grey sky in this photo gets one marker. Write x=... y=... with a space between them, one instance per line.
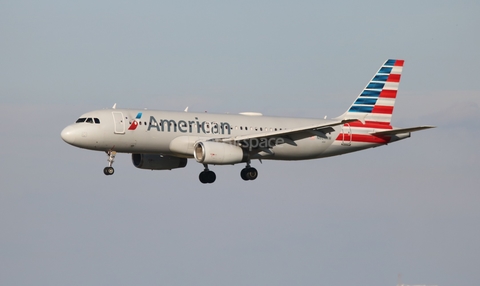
x=363 y=218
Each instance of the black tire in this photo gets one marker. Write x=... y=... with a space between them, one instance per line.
x=252 y=174
x=108 y=171
x=211 y=177
x=203 y=177
x=243 y=174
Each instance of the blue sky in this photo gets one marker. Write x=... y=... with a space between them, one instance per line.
x=363 y=218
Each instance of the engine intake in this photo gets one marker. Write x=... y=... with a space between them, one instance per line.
x=157 y=162
x=218 y=153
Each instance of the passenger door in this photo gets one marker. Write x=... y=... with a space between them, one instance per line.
x=118 y=122
x=346 y=135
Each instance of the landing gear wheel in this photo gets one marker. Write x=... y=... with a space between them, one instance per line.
x=111 y=157
x=108 y=171
x=252 y=174
x=249 y=174
x=243 y=174
x=202 y=177
x=207 y=177
x=211 y=177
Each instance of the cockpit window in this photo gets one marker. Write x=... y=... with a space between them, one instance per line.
x=88 y=120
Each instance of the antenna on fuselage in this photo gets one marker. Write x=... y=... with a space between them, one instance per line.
x=186 y=109
x=114 y=106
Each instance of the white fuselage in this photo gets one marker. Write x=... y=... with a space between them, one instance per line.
x=175 y=133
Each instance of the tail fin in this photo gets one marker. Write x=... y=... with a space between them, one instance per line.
x=376 y=101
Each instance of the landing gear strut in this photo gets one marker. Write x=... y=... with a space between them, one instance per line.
x=207 y=176
x=249 y=173
x=111 y=157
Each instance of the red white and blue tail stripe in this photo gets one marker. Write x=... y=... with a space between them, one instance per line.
x=370 y=115
x=375 y=103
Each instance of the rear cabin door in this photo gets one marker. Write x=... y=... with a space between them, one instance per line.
x=118 y=122
x=346 y=135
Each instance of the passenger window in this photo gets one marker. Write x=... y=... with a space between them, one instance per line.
x=97 y=121
x=80 y=120
x=89 y=120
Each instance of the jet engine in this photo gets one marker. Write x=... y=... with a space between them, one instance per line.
x=218 y=153
x=157 y=162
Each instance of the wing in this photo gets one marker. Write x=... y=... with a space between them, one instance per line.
x=313 y=129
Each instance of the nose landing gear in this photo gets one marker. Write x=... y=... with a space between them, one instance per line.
x=111 y=157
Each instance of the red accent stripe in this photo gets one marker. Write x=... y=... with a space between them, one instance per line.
x=386 y=93
x=399 y=63
x=382 y=109
x=393 y=78
x=363 y=138
x=371 y=124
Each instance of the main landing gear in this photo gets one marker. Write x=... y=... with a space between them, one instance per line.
x=111 y=157
x=207 y=176
x=248 y=174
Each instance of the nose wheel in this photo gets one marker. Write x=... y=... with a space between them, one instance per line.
x=108 y=171
x=111 y=157
x=207 y=176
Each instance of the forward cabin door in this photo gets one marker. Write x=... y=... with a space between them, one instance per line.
x=118 y=122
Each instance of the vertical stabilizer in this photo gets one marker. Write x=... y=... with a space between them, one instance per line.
x=375 y=103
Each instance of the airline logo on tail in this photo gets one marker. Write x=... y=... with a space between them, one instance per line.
x=378 y=98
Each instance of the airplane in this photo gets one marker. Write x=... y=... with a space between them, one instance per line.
x=165 y=140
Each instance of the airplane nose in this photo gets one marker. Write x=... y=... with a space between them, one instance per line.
x=68 y=135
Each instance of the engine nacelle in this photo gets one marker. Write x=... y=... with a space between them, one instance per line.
x=218 y=153
x=157 y=162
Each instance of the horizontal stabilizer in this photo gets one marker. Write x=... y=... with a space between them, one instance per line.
x=401 y=130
